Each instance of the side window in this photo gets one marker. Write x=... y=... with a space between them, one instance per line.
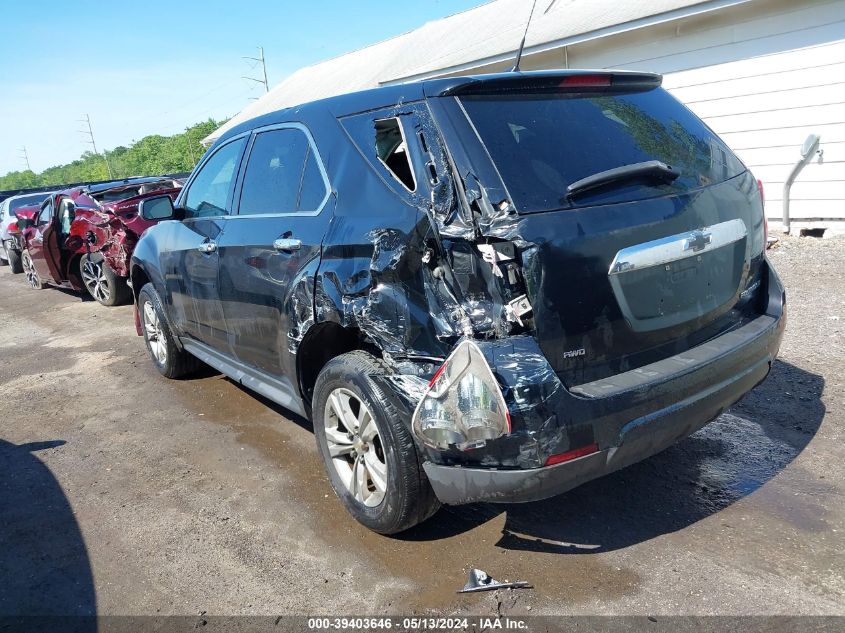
x=392 y=151
x=282 y=175
x=209 y=191
x=274 y=172
x=46 y=213
x=403 y=146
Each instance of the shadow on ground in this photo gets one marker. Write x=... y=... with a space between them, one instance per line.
x=725 y=461
x=44 y=564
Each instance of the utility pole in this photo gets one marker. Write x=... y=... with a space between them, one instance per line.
x=90 y=133
x=261 y=61
x=25 y=158
x=190 y=147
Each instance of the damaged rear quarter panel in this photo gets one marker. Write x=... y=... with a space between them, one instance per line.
x=372 y=276
x=404 y=269
x=388 y=271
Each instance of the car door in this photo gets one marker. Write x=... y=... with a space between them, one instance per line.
x=272 y=247
x=43 y=246
x=190 y=257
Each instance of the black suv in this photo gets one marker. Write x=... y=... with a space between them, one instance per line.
x=488 y=288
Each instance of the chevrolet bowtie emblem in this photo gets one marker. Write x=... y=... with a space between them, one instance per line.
x=697 y=241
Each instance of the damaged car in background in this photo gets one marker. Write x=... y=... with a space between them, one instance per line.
x=10 y=251
x=489 y=288
x=83 y=237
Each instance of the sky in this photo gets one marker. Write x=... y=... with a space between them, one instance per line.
x=154 y=67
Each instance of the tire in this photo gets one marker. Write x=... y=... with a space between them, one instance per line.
x=15 y=261
x=31 y=274
x=396 y=494
x=170 y=361
x=101 y=282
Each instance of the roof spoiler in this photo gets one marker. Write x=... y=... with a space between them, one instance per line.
x=548 y=82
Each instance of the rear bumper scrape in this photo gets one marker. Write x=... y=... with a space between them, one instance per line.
x=722 y=382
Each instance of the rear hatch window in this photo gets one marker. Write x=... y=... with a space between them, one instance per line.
x=659 y=252
x=543 y=143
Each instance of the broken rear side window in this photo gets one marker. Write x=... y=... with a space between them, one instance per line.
x=392 y=151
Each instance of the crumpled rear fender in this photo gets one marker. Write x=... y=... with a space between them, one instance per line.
x=102 y=233
x=381 y=287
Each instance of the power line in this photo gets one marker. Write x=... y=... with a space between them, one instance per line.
x=261 y=61
x=25 y=158
x=227 y=104
x=90 y=133
x=191 y=101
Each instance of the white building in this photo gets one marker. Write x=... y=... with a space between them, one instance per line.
x=762 y=73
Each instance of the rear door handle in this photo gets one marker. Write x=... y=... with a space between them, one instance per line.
x=207 y=247
x=287 y=244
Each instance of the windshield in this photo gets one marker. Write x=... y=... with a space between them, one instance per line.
x=26 y=201
x=541 y=144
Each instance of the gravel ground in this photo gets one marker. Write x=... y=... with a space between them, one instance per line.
x=124 y=493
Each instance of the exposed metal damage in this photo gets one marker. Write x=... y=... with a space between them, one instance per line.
x=458 y=263
x=449 y=269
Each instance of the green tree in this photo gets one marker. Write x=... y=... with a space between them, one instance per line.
x=153 y=155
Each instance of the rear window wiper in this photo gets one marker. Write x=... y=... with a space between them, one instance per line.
x=650 y=169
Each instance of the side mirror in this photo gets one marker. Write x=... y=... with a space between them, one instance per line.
x=810 y=146
x=157 y=209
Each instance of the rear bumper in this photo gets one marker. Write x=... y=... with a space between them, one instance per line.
x=706 y=381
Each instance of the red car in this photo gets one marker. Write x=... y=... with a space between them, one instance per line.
x=83 y=237
x=14 y=242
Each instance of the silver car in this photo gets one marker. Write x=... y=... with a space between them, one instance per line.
x=9 y=253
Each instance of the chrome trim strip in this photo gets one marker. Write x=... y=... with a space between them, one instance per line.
x=677 y=247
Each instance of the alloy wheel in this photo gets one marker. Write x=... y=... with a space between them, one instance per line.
x=29 y=270
x=94 y=278
x=355 y=447
x=154 y=334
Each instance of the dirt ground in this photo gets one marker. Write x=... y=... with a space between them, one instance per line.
x=125 y=493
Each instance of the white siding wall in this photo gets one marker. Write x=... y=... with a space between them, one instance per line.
x=765 y=107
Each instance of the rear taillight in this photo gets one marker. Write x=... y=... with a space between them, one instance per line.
x=463 y=405
x=762 y=192
x=12 y=228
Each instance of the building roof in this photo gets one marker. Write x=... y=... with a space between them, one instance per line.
x=486 y=34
